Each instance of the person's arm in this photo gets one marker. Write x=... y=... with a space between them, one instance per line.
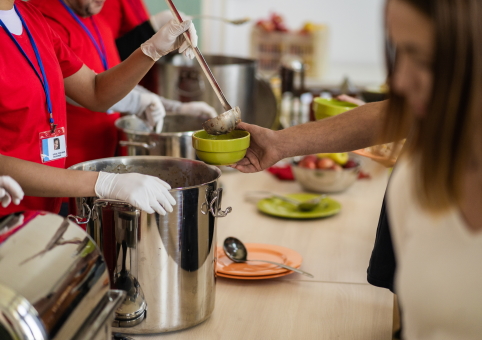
x=352 y=130
x=46 y=181
x=147 y=193
x=98 y=92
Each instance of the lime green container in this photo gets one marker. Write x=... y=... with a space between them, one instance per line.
x=325 y=108
x=221 y=149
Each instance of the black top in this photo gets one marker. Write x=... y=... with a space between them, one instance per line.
x=131 y=41
x=381 y=270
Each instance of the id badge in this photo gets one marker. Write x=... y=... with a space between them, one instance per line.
x=53 y=145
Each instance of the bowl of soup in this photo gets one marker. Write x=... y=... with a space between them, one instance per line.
x=224 y=149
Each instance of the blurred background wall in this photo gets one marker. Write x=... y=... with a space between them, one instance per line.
x=355 y=30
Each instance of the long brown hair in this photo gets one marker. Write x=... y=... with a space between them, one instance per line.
x=448 y=138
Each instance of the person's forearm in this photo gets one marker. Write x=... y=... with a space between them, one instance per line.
x=352 y=130
x=45 y=181
x=99 y=92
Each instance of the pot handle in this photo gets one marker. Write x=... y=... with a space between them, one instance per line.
x=82 y=219
x=138 y=144
x=103 y=202
x=214 y=205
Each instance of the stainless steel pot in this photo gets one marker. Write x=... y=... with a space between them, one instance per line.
x=54 y=282
x=175 y=140
x=182 y=79
x=166 y=264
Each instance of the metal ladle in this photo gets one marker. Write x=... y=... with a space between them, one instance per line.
x=237 y=252
x=227 y=121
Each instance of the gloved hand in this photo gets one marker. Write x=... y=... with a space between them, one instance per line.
x=192 y=108
x=10 y=190
x=147 y=193
x=169 y=38
x=151 y=109
x=143 y=103
x=160 y=19
x=197 y=109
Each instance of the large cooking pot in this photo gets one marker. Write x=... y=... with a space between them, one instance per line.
x=175 y=139
x=54 y=282
x=182 y=79
x=166 y=264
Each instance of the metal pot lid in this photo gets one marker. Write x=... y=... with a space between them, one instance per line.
x=53 y=275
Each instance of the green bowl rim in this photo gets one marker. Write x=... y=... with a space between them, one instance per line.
x=327 y=102
x=201 y=143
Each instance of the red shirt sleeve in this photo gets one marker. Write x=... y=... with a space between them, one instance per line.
x=124 y=15
x=69 y=62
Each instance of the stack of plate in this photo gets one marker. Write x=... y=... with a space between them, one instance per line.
x=258 y=270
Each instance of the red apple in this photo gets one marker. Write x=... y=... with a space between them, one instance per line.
x=350 y=164
x=336 y=167
x=325 y=163
x=311 y=158
x=307 y=163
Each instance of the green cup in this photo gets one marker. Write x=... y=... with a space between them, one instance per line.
x=221 y=149
x=325 y=108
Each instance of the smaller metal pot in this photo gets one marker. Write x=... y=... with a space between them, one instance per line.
x=173 y=141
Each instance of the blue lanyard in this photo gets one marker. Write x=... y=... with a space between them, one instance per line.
x=43 y=78
x=101 y=49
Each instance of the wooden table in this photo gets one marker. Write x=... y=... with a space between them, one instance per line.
x=337 y=304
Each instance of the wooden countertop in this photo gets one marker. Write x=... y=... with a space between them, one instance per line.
x=337 y=304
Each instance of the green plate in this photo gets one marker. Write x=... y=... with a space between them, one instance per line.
x=276 y=207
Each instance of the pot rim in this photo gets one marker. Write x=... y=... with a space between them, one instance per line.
x=218 y=171
x=151 y=133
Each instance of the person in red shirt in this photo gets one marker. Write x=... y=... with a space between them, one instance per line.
x=37 y=70
x=91 y=38
x=131 y=25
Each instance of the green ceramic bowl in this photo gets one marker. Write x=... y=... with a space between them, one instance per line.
x=325 y=108
x=222 y=149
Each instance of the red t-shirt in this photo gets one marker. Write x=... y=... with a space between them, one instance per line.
x=92 y=135
x=124 y=15
x=23 y=110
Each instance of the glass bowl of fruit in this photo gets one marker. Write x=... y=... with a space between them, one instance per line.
x=321 y=173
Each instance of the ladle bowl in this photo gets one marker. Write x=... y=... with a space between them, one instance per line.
x=237 y=252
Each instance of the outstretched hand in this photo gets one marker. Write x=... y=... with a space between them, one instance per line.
x=263 y=150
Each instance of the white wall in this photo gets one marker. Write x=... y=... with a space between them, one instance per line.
x=356 y=31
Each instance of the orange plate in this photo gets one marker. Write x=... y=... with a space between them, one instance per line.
x=387 y=162
x=259 y=252
x=253 y=277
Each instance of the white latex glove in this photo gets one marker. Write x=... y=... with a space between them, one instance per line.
x=151 y=110
x=147 y=193
x=169 y=38
x=10 y=191
x=143 y=103
x=192 y=108
x=197 y=109
x=160 y=19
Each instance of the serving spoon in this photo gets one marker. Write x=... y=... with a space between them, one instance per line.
x=237 y=252
x=239 y=21
x=227 y=121
x=305 y=206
